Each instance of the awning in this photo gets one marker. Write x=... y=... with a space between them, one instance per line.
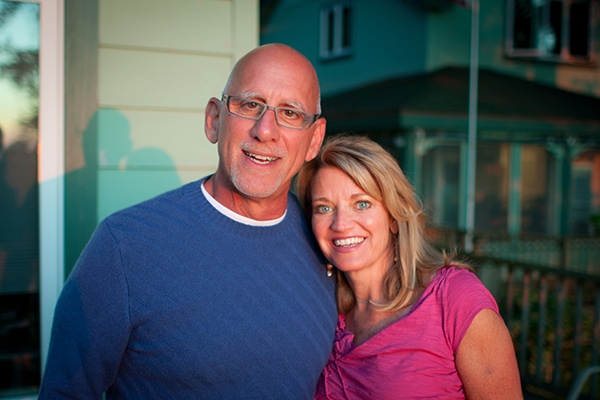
x=438 y=101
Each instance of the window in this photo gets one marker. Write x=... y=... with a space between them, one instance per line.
x=491 y=187
x=441 y=181
x=336 y=31
x=551 y=30
x=536 y=198
x=31 y=267
x=19 y=203
x=584 y=213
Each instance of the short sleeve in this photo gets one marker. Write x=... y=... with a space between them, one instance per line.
x=464 y=297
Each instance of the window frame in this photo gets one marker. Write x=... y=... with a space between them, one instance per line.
x=564 y=56
x=51 y=164
x=336 y=31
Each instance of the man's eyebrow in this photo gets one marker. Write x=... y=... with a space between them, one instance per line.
x=288 y=103
x=296 y=105
x=249 y=95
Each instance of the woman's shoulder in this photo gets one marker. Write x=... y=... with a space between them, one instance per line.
x=458 y=284
x=450 y=274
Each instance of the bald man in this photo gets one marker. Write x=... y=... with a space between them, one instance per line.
x=215 y=290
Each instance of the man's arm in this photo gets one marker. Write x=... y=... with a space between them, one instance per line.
x=91 y=324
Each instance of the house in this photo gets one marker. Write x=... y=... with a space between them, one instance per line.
x=493 y=110
x=120 y=87
x=402 y=71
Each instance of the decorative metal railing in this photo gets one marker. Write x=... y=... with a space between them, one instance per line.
x=573 y=253
x=554 y=319
x=548 y=291
x=580 y=254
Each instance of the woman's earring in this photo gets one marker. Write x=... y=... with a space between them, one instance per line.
x=329 y=270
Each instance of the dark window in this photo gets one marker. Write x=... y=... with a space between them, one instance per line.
x=19 y=199
x=336 y=31
x=551 y=30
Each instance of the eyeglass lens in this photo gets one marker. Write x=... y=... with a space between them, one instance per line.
x=284 y=116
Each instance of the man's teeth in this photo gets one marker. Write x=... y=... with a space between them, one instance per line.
x=261 y=159
x=348 y=242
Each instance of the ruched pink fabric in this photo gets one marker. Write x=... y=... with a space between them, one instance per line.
x=414 y=357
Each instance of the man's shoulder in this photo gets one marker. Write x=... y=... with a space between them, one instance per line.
x=171 y=201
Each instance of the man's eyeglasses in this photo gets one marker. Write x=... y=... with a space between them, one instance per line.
x=285 y=116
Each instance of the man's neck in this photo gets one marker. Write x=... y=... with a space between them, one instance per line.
x=260 y=209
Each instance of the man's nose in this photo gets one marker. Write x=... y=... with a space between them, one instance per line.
x=266 y=127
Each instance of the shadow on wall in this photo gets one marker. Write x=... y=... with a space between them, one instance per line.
x=114 y=176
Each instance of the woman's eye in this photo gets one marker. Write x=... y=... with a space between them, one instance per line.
x=363 y=205
x=322 y=209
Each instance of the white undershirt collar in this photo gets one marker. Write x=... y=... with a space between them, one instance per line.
x=235 y=216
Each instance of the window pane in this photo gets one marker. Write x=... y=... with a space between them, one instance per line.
x=491 y=196
x=551 y=30
x=579 y=29
x=524 y=24
x=556 y=21
x=441 y=171
x=336 y=37
x=585 y=194
x=19 y=227
x=330 y=31
x=535 y=216
x=346 y=27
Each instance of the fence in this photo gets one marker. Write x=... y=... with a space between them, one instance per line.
x=573 y=253
x=548 y=291
x=581 y=254
x=554 y=319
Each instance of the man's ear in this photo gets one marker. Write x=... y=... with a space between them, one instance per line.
x=211 y=120
x=317 y=139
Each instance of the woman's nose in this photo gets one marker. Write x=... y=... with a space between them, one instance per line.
x=341 y=220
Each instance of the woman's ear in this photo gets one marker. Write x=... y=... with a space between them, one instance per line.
x=394 y=226
x=211 y=120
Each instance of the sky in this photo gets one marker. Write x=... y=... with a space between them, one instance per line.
x=21 y=31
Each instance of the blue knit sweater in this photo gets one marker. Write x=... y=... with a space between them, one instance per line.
x=173 y=300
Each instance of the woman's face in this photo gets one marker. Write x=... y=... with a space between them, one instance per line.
x=354 y=231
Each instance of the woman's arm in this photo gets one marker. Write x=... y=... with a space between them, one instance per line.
x=486 y=360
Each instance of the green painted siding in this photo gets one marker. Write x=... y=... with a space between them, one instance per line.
x=396 y=29
x=449 y=44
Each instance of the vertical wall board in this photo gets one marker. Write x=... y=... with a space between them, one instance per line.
x=81 y=102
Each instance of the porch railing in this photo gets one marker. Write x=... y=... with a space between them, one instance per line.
x=548 y=291
x=573 y=253
x=554 y=319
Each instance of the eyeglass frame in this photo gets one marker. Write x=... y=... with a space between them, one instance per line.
x=226 y=98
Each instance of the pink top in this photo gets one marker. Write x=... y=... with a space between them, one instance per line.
x=414 y=357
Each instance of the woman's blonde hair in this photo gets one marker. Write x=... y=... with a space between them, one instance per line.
x=377 y=172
